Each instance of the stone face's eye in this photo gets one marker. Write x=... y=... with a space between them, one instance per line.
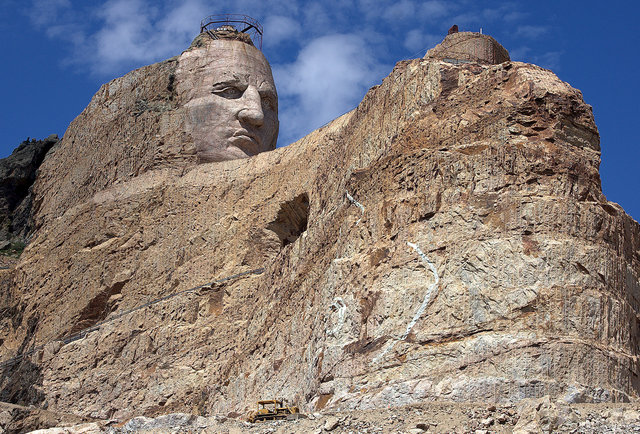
x=268 y=102
x=227 y=91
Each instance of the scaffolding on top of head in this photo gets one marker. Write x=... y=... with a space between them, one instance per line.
x=239 y=23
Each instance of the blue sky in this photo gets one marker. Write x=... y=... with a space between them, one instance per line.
x=325 y=55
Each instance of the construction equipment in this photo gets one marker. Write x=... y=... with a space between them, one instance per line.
x=273 y=409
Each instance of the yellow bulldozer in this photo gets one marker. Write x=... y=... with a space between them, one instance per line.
x=273 y=409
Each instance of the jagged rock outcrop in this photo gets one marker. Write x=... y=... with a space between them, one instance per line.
x=17 y=174
x=446 y=240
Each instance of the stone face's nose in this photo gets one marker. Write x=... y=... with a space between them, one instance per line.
x=251 y=110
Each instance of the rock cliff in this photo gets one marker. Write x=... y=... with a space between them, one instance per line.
x=446 y=240
x=17 y=174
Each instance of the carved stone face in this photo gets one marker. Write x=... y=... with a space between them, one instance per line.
x=231 y=100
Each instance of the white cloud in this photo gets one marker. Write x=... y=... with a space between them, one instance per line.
x=500 y=12
x=255 y=8
x=120 y=34
x=472 y=19
x=132 y=32
x=407 y=10
x=514 y=16
x=278 y=28
x=465 y=21
x=418 y=41
x=329 y=77
x=47 y=12
x=183 y=20
x=58 y=19
x=371 y=10
x=531 y=32
x=400 y=11
x=125 y=34
x=435 y=9
x=549 y=60
x=520 y=53
x=317 y=20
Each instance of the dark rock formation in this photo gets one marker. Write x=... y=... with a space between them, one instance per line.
x=17 y=174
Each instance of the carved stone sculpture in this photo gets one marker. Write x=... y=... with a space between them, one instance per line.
x=231 y=99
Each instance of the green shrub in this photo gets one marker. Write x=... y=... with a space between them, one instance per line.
x=14 y=249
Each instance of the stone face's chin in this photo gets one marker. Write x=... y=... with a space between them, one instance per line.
x=233 y=151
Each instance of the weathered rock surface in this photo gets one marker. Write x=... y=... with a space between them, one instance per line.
x=17 y=174
x=474 y=257
x=460 y=47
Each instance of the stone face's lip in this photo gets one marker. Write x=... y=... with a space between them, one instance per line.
x=243 y=136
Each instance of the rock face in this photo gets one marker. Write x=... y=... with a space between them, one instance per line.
x=469 y=47
x=17 y=174
x=446 y=240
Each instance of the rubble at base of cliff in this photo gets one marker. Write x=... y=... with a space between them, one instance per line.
x=527 y=416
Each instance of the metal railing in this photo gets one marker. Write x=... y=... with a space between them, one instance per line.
x=241 y=23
